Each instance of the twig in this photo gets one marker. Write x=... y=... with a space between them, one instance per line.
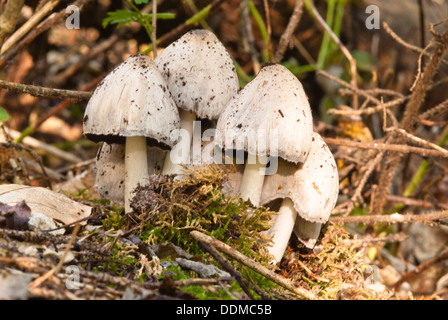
x=227 y=266
x=421 y=17
x=370 y=110
x=416 y=203
x=409 y=120
x=9 y=17
x=27 y=26
x=189 y=282
x=418 y=270
x=404 y=43
x=154 y=28
x=30 y=141
x=39 y=29
x=253 y=265
x=399 y=237
x=386 y=147
x=357 y=194
x=418 y=140
x=37 y=91
x=60 y=78
x=436 y=111
x=285 y=39
x=393 y=218
x=37 y=282
x=64 y=104
x=182 y=28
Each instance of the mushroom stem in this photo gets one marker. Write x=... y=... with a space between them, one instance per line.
x=136 y=167
x=175 y=158
x=253 y=178
x=307 y=232
x=282 y=228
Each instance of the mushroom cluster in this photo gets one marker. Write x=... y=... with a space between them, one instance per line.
x=147 y=113
x=270 y=120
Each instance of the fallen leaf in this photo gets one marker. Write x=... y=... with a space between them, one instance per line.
x=15 y=217
x=45 y=201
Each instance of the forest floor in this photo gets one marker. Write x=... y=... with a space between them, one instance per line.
x=377 y=85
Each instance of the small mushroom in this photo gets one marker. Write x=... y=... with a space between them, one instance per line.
x=309 y=192
x=133 y=106
x=270 y=117
x=110 y=169
x=202 y=79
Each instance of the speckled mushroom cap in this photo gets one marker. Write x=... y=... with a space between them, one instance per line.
x=273 y=100
x=200 y=73
x=313 y=186
x=132 y=100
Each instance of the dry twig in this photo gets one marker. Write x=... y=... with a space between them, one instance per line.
x=253 y=265
x=418 y=270
x=285 y=39
x=393 y=218
x=37 y=91
x=409 y=120
x=400 y=148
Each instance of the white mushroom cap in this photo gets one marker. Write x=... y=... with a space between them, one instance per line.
x=110 y=169
x=313 y=187
x=273 y=102
x=132 y=100
x=200 y=73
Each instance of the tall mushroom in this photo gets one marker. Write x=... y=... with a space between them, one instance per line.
x=270 y=117
x=133 y=106
x=311 y=188
x=202 y=79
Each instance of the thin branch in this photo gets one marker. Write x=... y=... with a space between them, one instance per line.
x=417 y=203
x=418 y=140
x=9 y=17
x=37 y=30
x=154 y=28
x=405 y=44
x=27 y=26
x=30 y=141
x=387 y=147
x=418 y=270
x=285 y=39
x=436 y=111
x=36 y=283
x=357 y=194
x=367 y=240
x=253 y=265
x=392 y=218
x=409 y=121
x=37 y=91
x=227 y=266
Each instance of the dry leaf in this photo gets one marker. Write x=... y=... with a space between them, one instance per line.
x=15 y=217
x=42 y=200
